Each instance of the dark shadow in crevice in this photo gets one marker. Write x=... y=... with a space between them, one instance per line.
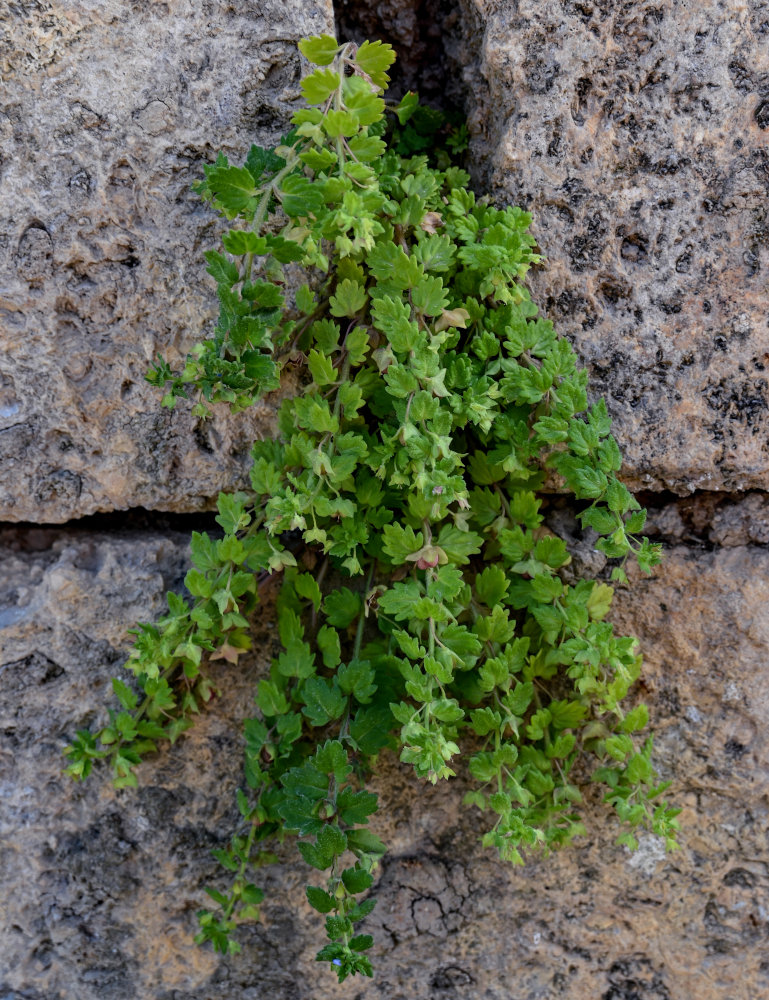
x=439 y=45
x=24 y=536
x=433 y=40
x=705 y=520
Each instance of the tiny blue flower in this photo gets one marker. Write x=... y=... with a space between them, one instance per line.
x=336 y=961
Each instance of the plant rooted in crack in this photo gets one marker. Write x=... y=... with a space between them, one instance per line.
x=434 y=401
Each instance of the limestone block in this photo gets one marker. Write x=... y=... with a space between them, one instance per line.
x=100 y=888
x=636 y=134
x=108 y=112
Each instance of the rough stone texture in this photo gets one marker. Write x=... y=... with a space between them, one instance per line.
x=636 y=132
x=101 y=888
x=108 y=112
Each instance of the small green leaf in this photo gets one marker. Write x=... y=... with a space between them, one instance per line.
x=357 y=880
x=127 y=698
x=320 y=49
x=375 y=58
x=321 y=368
x=323 y=701
x=348 y=300
x=270 y=700
x=320 y=85
x=319 y=899
x=341 y=607
x=328 y=644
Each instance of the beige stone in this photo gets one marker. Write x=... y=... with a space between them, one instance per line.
x=101 y=888
x=108 y=111
x=636 y=134
x=653 y=219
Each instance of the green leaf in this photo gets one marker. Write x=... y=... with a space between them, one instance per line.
x=370 y=729
x=365 y=907
x=342 y=607
x=220 y=268
x=320 y=49
x=565 y=714
x=300 y=197
x=337 y=124
x=361 y=942
x=400 y=600
x=400 y=542
x=323 y=701
x=485 y=721
x=258 y=367
x=320 y=85
x=363 y=841
x=318 y=159
x=233 y=188
x=461 y=641
x=127 y=698
x=393 y=318
x=366 y=147
x=429 y=297
x=491 y=585
x=519 y=699
x=636 y=719
x=618 y=497
x=331 y=758
x=357 y=880
x=283 y=250
x=307 y=587
x=296 y=660
x=332 y=841
x=348 y=299
x=319 y=899
x=375 y=58
x=401 y=380
x=357 y=345
x=407 y=106
x=599 y=602
x=357 y=678
x=270 y=699
x=459 y=545
x=314 y=856
x=307 y=782
x=589 y=482
x=321 y=368
x=354 y=808
x=239 y=242
x=328 y=644
x=263 y=161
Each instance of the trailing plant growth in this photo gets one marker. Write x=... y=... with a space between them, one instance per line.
x=428 y=613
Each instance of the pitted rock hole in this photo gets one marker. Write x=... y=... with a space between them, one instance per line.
x=34 y=254
x=154 y=118
x=9 y=402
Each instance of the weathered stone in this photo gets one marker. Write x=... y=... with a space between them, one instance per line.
x=713 y=518
x=108 y=112
x=101 y=888
x=636 y=134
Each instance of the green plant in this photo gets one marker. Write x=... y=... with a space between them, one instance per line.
x=433 y=402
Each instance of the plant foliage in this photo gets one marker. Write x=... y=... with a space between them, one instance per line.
x=436 y=620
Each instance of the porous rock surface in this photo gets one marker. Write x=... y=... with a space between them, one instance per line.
x=637 y=134
x=100 y=888
x=108 y=112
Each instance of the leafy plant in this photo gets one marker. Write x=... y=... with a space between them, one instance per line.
x=434 y=401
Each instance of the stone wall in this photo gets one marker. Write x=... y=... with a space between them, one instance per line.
x=637 y=134
x=635 y=131
x=109 y=111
